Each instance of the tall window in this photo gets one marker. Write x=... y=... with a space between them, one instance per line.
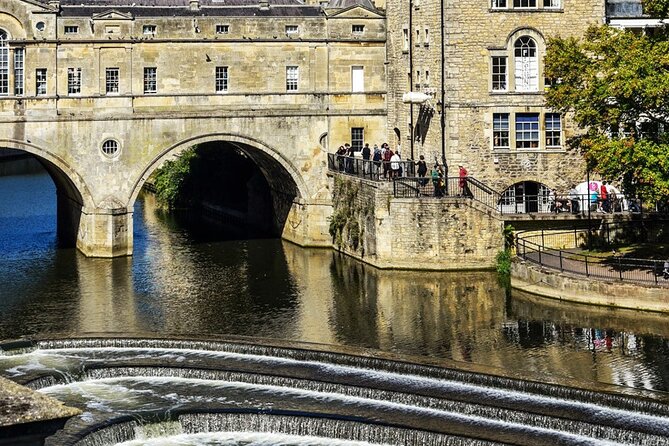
x=499 y=73
x=150 y=81
x=111 y=80
x=553 y=130
x=40 y=81
x=526 y=64
x=73 y=80
x=358 y=79
x=4 y=64
x=292 y=78
x=426 y=38
x=405 y=41
x=357 y=138
x=221 y=79
x=527 y=130
x=500 y=131
x=19 y=71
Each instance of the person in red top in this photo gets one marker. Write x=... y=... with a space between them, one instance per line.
x=463 y=180
x=604 y=196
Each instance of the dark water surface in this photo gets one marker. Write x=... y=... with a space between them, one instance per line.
x=190 y=279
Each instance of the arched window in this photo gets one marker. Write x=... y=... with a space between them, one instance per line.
x=526 y=64
x=4 y=63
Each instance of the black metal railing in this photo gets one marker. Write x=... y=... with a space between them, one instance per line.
x=369 y=169
x=559 y=250
x=412 y=187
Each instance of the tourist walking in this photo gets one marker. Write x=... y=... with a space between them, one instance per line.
x=388 y=154
x=437 y=180
x=395 y=165
x=422 y=170
x=462 y=182
x=604 y=197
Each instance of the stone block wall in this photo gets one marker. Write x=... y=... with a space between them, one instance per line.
x=412 y=233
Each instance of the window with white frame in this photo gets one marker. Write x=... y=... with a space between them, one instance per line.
x=150 y=80
x=500 y=131
x=40 y=81
x=110 y=148
x=111 y=80
x=405 y=41
x=417 y=80
x=497 y=4
x=73 y=81
x=524 y=3
x=526 y=64
x=499 y=73
x=417 y=42
x=71 y=29
x=292 y=78
x=19 y=71
x=427 y=78
x=4 y=63
x=527 y=130
x=551 y=4
x=222 y=29
x=149 y=30
x=553 y=130
x=221 y=79
x=426 y=37
x=357 y=138
x=357 y=29
x=292 y=30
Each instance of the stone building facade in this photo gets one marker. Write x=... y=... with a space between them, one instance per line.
x=495 y=121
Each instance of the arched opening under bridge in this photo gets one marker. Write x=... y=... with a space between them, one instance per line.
x=525 y=197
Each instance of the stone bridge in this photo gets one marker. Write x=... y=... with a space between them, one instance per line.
x=103 y=94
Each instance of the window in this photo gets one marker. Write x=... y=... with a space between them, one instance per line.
x=149 y=30
x=427 y=78
x=71 y=29
x=553 y=130
x=74 y=81
x=110 y=147
x=19 y=71
x=357 y=138
x=417 y=42
x=221 y=79
x=40 y=81
x=524 y=3
x=111 y=80
x=498 y=4
x=405 y=42
x=526 y=64
x=292 y=30
x=426 y=37
x=292 y=78
x=4 y=64
x=357 y=79
x=551 y=4
x=150 y=80
x=358 y=29
x=417 y=80
x=527 y=130
x=499 y=73
x=222 y=29
x=500 y=131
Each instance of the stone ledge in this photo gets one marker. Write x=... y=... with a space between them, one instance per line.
x=555 y=285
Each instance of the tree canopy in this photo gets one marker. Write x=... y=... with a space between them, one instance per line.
x=616 y=83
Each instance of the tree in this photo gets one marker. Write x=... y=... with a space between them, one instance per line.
x=616 y=84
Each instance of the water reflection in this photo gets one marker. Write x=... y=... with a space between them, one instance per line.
x=188 y=278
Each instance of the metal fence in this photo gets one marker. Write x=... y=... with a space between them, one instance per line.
x=558 y=250
x=371 y=170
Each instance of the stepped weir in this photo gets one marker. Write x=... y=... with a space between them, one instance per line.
x=149 y=392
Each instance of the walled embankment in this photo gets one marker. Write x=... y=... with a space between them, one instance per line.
x=450 y=233
x=555 y=285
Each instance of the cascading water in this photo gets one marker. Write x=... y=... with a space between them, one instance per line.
x=145 y=392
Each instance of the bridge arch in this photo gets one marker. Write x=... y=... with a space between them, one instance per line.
x=262 y=154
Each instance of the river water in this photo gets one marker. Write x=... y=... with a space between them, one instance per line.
x=192 y=279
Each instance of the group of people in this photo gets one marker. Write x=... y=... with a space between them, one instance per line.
x=600 y=199
x=381 y=161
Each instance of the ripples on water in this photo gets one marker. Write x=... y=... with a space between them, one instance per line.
x=192 y=279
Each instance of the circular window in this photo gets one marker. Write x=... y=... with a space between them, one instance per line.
x=110 y=147
x=40 y=26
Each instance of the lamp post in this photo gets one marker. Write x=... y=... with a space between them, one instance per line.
x=410 y=75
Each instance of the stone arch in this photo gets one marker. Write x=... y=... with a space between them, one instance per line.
x=60 y=171
x=12 y=26
x=526 y=196
x=526 y=31
x=235 y=139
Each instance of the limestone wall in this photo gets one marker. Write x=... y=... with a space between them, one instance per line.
x=422 y=233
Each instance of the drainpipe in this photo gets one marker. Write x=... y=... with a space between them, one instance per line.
x=410 y=74
x=442 y=120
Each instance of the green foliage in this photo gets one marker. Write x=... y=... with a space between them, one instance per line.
x=171 y=180
x=656 y=8
x=503 y=262
x=616 y=83
x=509 y=237
x=344 y=227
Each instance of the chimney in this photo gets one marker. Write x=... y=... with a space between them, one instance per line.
x=264 y=5
x=194 y=5
x=54 y=4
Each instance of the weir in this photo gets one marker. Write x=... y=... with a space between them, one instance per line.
x=142 y=389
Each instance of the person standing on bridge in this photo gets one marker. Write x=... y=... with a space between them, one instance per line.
x=462 y=182
x=366 y=155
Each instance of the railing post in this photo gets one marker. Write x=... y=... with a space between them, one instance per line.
x=543 y=242
x=575 y=239
x=620 y=268
x=655 y=271
x=608 y=234
x=561 y=269
x=540 y=262
x=587 y=274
